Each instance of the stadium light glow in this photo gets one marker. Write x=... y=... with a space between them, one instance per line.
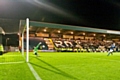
x=58 y=31
x=45 y=30
x=94 y=34
x=54 y=9
x=83 y=33
x=104 y=35
x=71 y=32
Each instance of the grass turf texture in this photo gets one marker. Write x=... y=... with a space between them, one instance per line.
x=63 y=66
x=11 y=57
x=13 y=67
x=77 y=66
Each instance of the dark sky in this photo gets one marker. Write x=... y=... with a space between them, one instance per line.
x=103 y=14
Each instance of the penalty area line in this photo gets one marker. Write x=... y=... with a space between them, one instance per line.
x=37 y=77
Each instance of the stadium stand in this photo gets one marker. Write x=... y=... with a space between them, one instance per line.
x=70 y=45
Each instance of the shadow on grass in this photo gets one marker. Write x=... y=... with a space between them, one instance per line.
x=56 y=70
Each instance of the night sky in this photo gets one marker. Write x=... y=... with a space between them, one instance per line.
x=104 y=14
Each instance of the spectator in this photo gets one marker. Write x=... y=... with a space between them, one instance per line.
x=1 y=49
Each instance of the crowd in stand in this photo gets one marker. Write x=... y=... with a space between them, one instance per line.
x=85 y=45
x=97 y=45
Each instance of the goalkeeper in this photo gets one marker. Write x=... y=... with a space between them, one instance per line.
x=35 y=50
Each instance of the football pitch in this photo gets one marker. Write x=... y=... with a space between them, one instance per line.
x=61 y=66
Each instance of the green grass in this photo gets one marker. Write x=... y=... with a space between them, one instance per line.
x=10 y=70
x=11 y=57
x=77 y=66
x=15 y=72
x=62 y=66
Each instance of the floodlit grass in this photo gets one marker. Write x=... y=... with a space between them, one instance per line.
x=13 y=67
x=62 y=66
x=15 y=72
x=11 y=57
x=77 y=66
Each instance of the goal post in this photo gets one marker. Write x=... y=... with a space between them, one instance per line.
x=22 y=50
x=27 y=40
x=26 y=29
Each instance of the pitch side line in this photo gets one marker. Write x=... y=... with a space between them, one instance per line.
x=13 y=62
x=37 y=77
x=10 y=55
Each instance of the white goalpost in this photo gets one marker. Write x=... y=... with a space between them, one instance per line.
x=27 y=40
x=27 y=49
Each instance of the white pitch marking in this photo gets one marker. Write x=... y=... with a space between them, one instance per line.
x=34 y=72
x=12 y=62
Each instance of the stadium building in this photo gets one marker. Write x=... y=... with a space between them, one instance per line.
x=56 y=37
